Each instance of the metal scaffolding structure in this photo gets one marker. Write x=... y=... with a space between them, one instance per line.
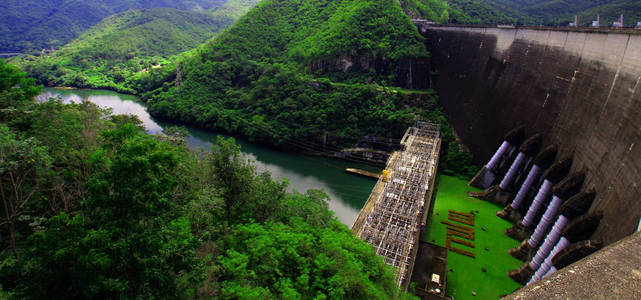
x=394 y=224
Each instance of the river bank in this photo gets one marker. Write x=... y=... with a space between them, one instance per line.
x=347 y=192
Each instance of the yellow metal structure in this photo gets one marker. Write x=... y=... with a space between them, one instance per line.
x=385 y=174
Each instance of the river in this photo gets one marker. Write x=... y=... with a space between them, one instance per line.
x=347 y=192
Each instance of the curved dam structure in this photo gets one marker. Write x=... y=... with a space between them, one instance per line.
x=579 y=89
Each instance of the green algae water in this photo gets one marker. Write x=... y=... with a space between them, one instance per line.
x=347 y=193
x=466 y=277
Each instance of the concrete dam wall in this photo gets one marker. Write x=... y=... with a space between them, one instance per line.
x=580 y=89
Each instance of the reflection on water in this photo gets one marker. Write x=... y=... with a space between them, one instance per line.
x=120 y=104
x=347 y=193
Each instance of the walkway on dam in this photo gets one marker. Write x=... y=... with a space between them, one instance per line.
x=392 y=217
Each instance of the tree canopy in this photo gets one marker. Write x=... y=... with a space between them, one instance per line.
x=96 y=208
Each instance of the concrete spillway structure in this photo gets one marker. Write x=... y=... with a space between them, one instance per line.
x=570 y=215
x=514 y=211
x=503 y=156
x=568 y=188
x=554 y=175
x=544 y=257
x=521 y=164
x=561 y=237
x=392 y=217
x=579 y=88
x=611 y=273
x=502 y=193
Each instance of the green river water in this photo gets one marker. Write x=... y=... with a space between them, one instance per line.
x=347 y=192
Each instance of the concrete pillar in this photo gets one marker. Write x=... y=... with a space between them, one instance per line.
x=539 y=200
x=514 y=169
x=545 y=222
x=494 y=161
x=532 y=177
x=551 y=271
x=487 y=175
x=547 y=263
x=551 y=240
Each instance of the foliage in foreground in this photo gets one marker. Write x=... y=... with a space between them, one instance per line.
x=102 y=210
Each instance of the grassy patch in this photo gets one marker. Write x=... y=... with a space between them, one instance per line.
x=467 y=275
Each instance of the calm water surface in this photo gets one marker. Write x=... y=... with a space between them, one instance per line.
x=348 y=193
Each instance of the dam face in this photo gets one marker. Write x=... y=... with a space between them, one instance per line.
x=580 y=89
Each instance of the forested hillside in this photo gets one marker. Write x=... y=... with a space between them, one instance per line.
x=479 y=12
x=28 y=25
x=611 y=11
x=560 y=12
x=314 y=76
x=524 y=12
x=94 y=208
x=125 y=48
x=261 y=66
x=232 y=9
x=455 y=11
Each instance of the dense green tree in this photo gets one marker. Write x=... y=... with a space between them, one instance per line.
x=128 y=239
x=106 y=211
x=16 y=91
x=300 y=261
x=232 y=175
x=21 y=165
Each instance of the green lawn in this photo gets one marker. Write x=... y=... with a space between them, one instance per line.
x=467 y=275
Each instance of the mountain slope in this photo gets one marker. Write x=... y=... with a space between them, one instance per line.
x=311 y=76
x=124 y=47
x=26 y=25
x=478 y=12
x=259 y=68
x=233 y=9
x=454 y=11
x=560 y=12
x=611 y=11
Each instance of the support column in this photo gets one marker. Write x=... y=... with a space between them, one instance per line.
x=498 y=155
x=521 y=164
x=574 y=207
x=532 y=177
x=551 y=271
x=580 y=229
x=487 y=175
x=544 y=160
x=539 y=200
x=523 y=229
x=547 y=219
x=514 y=168
x=547 y=263
x=551 y=240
